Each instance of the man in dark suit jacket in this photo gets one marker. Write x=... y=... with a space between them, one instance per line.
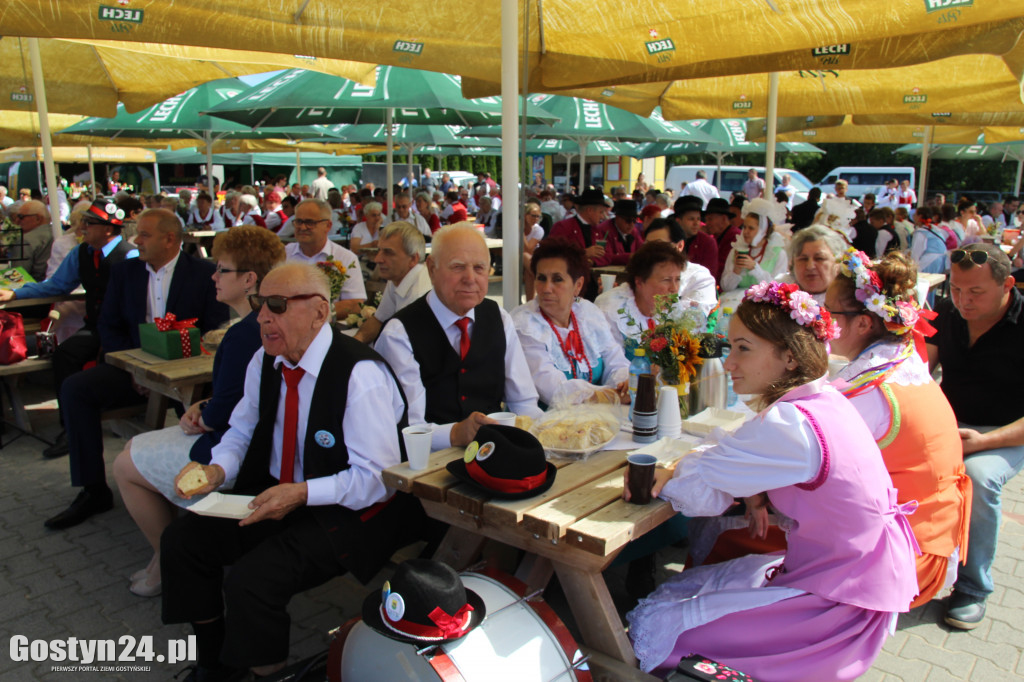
x=162 y=279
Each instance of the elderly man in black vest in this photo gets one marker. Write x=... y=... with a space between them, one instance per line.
x=456 y=353
x=319 y=421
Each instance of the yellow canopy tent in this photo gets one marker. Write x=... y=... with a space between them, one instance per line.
x=568 y=43
x=80 y=154
x=89 y=78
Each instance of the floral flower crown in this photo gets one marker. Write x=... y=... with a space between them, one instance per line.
x=804 y=310
x=899 y=317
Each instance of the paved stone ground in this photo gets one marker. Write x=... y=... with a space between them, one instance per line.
x=73 y=583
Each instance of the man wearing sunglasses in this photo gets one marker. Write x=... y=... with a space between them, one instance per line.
x=87 y=264
x=312 y=221
x=33 y=250
x=455 y=352
x=978 y=343
x=319 y=421
x=161 y=280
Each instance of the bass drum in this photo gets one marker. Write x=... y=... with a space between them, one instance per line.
x=519 y=641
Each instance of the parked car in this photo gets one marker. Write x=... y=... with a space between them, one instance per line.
x=733 y=177
x=866 y=179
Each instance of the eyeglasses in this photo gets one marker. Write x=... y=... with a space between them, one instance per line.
x=22 y=216
x=223 y=271
x=278 y=304
x=977 y=257
x=302 y=222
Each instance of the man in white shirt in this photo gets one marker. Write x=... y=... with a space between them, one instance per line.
x=318 y=422
x=321 y=185
x=550 y=206
x=5 y=200
x=445 y=347
x=888 y=197
x=403 y=212
x=400 y=260
x=701 y=188
x=312 y=221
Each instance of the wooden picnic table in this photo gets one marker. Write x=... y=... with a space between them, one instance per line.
x=180 y=380
x=575 y=530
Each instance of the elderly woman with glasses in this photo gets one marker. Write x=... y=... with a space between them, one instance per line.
x=146 y=469
x=365 y=234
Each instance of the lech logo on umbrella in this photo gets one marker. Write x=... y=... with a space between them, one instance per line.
x=22 y=95
x=133 y=16
x=916 y=98
x=743 y=103
x=939 y=5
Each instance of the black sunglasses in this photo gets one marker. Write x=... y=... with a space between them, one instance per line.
x=278 y=304
x=977 y=257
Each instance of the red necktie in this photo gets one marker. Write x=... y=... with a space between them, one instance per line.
x=463 y=324
x=291 y=423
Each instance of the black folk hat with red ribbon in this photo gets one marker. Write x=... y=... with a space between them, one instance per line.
x=505 y=462
x=424 y=603
x=107 y=212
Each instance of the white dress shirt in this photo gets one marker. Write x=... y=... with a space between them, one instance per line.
x=394 y=345
x=416 y=220
x=702 y=189
x=158 y=288
x=374 y=407
x=288 y=229
x=415 y=283
x=353 y=286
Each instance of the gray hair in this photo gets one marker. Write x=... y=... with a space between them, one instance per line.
x=413 y=242
x=231 y=194
x=372 y=206
x=440 y=237
x=325 y=209
x=36 y=208
x=425 y=196
x=310 y=274
x=815 y=233
x=249 y=200
x=485 y=200
x=662 y=199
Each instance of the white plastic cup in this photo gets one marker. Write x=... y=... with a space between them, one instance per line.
x=607 y=282
x=417 y=445
x=504 y=418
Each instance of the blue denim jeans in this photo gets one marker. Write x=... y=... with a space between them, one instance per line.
x=989 y=471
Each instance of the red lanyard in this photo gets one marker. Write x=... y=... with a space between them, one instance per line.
x=572 y=346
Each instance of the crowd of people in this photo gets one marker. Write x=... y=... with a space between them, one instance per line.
x=868 y=488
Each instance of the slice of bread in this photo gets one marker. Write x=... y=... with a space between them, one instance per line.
x=192 y=481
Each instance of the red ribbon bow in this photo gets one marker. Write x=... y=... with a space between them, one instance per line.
x=170 y=323
x=451 y=626
x=922 y=329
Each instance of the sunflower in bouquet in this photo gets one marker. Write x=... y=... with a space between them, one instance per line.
x=675 y=342
x=336 y=272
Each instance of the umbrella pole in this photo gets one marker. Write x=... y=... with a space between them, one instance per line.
x=1020 y=171
x=926 y=150
x=92 y=172
x=512 y=262
x=583 y=166
x=44 y=134
x=298 y=168
x=156 y=176
x=773 y=124
x=389 y=115
x=209 y=168
x=409 y=147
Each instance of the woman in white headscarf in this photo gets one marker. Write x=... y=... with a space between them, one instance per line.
x=759 y=254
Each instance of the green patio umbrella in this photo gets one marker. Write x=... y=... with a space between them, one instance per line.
x=1002 y=151
x=352 y=165
x=299 y=97
x=584 y=121
x=179 y=118
x=411 y=138
x=731 y=138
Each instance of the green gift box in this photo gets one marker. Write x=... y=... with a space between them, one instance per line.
x=167 y=344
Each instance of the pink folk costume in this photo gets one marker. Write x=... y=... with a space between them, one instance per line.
x=823 y=610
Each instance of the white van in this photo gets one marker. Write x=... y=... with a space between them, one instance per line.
x=733 y=178
x=866 y=179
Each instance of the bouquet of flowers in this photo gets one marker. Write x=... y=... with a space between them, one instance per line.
x=366 y=311
x=675 y=343
x=336 y=272
x=10 y=234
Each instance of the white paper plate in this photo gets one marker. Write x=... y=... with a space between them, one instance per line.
x=713 y=418
x=224 y=506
